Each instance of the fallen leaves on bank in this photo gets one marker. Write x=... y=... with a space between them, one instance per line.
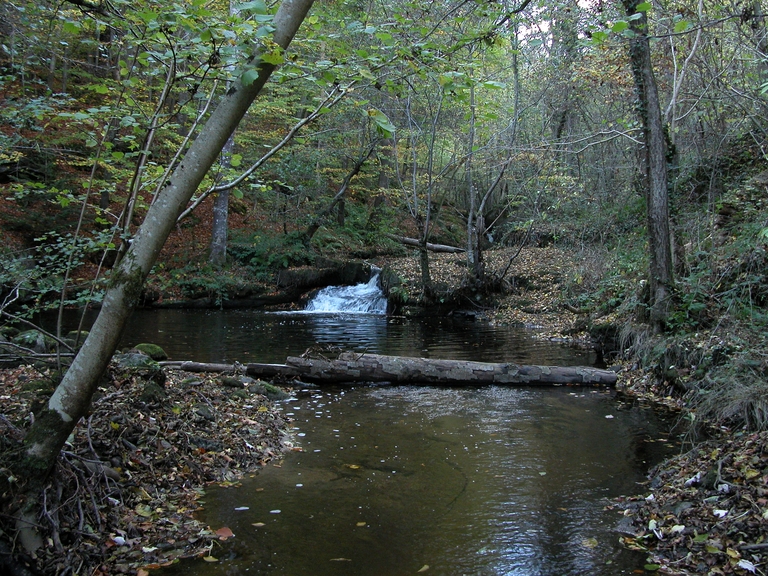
x=535 y=279
x=707 y=510
x=130 y=478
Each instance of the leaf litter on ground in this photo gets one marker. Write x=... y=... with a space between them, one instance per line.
x=131 y=476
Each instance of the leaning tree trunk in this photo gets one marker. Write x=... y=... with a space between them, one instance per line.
x=72 y=397
x=657 y=193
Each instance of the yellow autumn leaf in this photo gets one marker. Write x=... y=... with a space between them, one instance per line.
x=352 y=466
x=750 y=473
x=262 y=409
x=423 y=568
x=143 y=510
x=210 y=558
x=361 y=524
x=114 y=425
x=589 y=542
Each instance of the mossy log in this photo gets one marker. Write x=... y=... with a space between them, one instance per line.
x=352 y=367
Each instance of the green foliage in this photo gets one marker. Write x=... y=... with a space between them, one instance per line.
x=266 y=254
x=735 y=393
x=36 y=276
x=204 y=281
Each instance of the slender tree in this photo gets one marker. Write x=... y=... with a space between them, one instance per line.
x=72 y=397
x=655 y=164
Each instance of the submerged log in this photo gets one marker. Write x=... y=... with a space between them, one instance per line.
x=352 y=367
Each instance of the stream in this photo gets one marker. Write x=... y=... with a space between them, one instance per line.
x=416 y=479
x=480 y=481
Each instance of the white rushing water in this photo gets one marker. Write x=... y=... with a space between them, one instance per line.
x=363 y=298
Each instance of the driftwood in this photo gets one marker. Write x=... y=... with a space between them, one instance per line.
x=351 y=367
x=188 y=366
x=431 y=247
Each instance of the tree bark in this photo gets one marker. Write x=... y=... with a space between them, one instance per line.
x=656 y=177
x=220 y=227
x=352 y=367
x=429 y=245
x=72 y=397
x=318 y=220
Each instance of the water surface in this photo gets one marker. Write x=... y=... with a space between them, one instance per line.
x=258 y=336
x=393 y=480
x=480 y=481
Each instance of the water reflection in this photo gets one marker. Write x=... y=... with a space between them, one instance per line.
x=466 y=481
x=480 y=481
x=257 y=336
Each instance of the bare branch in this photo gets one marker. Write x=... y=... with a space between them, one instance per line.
x=330 y=100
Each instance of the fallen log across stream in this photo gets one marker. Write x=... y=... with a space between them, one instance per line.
x=353 y=367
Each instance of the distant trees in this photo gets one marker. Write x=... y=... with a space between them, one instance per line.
x=491 y=115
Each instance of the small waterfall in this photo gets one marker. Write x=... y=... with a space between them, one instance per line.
x=363 y=298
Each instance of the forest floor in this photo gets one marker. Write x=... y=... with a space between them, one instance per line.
x=124 y=498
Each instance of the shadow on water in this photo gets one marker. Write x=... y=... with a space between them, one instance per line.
x=257 y=336
x=474 y=481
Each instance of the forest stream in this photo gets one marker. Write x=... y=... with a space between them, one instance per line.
x=396 y=480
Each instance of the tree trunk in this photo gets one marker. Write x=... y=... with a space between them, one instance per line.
x=320 y=217
x=72 y=397
x=656 y=184
x=219 y=230
x=220 y=227
x=430 y=246
x=475 y=270
x=353 y=367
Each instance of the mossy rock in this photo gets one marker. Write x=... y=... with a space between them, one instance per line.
x=140 y=365
x=74 y=334
x=269 y=390
x=152 y=350
x=135 y=361
x=35 y=340
x=75 y=338
x=8 y=332
x=153 y=393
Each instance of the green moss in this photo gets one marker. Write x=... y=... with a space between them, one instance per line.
x=152 y=350
x=132 y=281
x=44 y=386
x=49 y=432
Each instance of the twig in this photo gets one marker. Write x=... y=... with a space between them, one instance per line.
x=520 y=249
x=754 y=546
